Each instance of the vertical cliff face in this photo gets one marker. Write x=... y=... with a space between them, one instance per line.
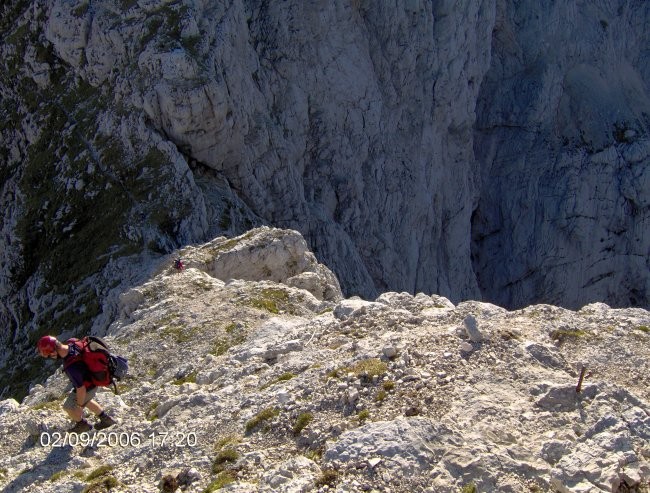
x=345 y=120
x=472 y=149
x=562 y=143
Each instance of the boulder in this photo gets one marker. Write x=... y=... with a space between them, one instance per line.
x=8 y=406
x=352 y=308
x=472 y=330
x=546 y=355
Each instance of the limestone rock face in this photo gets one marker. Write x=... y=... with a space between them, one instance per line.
x=562 y=145
x=472 y=149
x=261 y=95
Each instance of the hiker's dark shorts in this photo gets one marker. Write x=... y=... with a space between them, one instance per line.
x=71 y=401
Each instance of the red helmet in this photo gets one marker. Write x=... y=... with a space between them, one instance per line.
x=46 y=345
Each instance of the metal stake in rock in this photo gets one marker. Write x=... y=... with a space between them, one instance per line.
x=582 y=376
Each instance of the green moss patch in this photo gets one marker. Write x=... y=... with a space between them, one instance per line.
x=235 y=334
x=469 y=488
x=365 y=369
x=178 y=333
x=54 y=404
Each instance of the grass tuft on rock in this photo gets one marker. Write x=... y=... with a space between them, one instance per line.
x=57 y=475
x=262 y=417
x=100 y=471
x=363 y=416
x=301 y=422
x=227 y=440
x=152 y=414
x=388 y=385
x=372 y=367
x=101 y=480
x=223 y=479
x=223 y=458
x=282 y=378
x=565 y=334
x=101 y=486
x=328 y=477
x=189 y=378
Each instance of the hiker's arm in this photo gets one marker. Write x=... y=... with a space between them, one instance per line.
x=81 y=396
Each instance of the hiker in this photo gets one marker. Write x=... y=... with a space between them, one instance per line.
x=83 y=392
x=178 y=264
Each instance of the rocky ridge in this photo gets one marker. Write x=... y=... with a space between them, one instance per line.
x=267 y=379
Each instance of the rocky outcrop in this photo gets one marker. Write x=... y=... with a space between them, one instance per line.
x=265 y=253
x=256 y=385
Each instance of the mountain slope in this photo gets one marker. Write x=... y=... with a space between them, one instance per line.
x=252 y=379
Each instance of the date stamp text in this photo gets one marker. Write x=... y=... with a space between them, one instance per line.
x=118 y=439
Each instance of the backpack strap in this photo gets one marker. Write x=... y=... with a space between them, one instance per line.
x=80 y=345
x=97 y=343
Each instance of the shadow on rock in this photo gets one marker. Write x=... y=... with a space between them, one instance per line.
x=56 y=461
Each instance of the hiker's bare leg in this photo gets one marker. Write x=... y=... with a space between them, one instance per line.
x=75 y=413
x=93 y=407
x=71 y=405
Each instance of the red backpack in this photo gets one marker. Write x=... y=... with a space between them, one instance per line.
x=95 y=354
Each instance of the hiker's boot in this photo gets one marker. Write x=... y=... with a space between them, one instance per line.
x=81 y=427
x=104 y=421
